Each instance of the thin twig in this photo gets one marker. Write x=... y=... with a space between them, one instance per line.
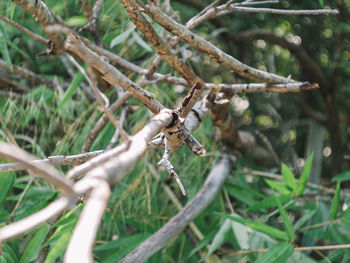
x=280 y=178
x=282 y=11
x=32 y=77
x=321 y=224
x=24 y=30
x=165 y=162
x=103 y=121
x=44 y=170
x=295 y=249
x=101 y=100
x=53 y=160
x=20 y=199
x=92 y=24
x=211 y=50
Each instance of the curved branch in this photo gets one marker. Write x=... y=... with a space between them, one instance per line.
x=80 y=245
x=29 y=222
x=46 y=171
x=177 y=224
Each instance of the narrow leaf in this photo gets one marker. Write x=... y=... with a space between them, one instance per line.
x=305 y=218
x=288 y=177
x=3 y=46
x=278 y=186
x=269 y=202
x=268 y=230
x=335 y=203
x=304 y=176
x=345 y=176
x=286 y=221
x=278 y=253
x=141 y=42
x=70 y=91
x=122 y=37
x=220 y=237
x=6 y=183
x=32 y=250
x=58 y=249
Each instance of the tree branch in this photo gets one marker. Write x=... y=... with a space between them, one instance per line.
x=44 y=170
x=209 y=49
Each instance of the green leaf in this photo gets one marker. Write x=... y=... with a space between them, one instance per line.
x=287 y=224
x=305 y=218
x=122 y=37
x=321 y=2
x=68 y=227
x=69 y=216
x=345 y=176
x=278 y=253
x=32 y=250
x=9 y=254
x=278 y=186
x=6 y=182
x=241 y=235
x=3 y=46
x=220 y=237
x=112 y=245
x=269 y=202
x=121 y=248
x=202 y=243
x=288 y=177
x=141 y=42
x=58 y=249
x=304 y=176
x=76 y=21
x=335 y=203
x=268 y=230
x=70 y=91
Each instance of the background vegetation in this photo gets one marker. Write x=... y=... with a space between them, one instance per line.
x=254 y=210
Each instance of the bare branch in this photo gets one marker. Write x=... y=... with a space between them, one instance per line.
x=281 y=11
x=92 y=24
x=45 y=17
x=103 y=121
x=80 y=245
x=115 y=169
x=24 y=30
x=165 y=162
x=52 y=160
x=29 y=75
x=101 y=98
x=264 y=2
x=209 y=49
x=175 y=225
x=46 y=171
x=332 y=247
x=159 y=44
x=231 y=89
x=126 y=154
x=122 y=119
x=111 y=74
x=29 y=222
